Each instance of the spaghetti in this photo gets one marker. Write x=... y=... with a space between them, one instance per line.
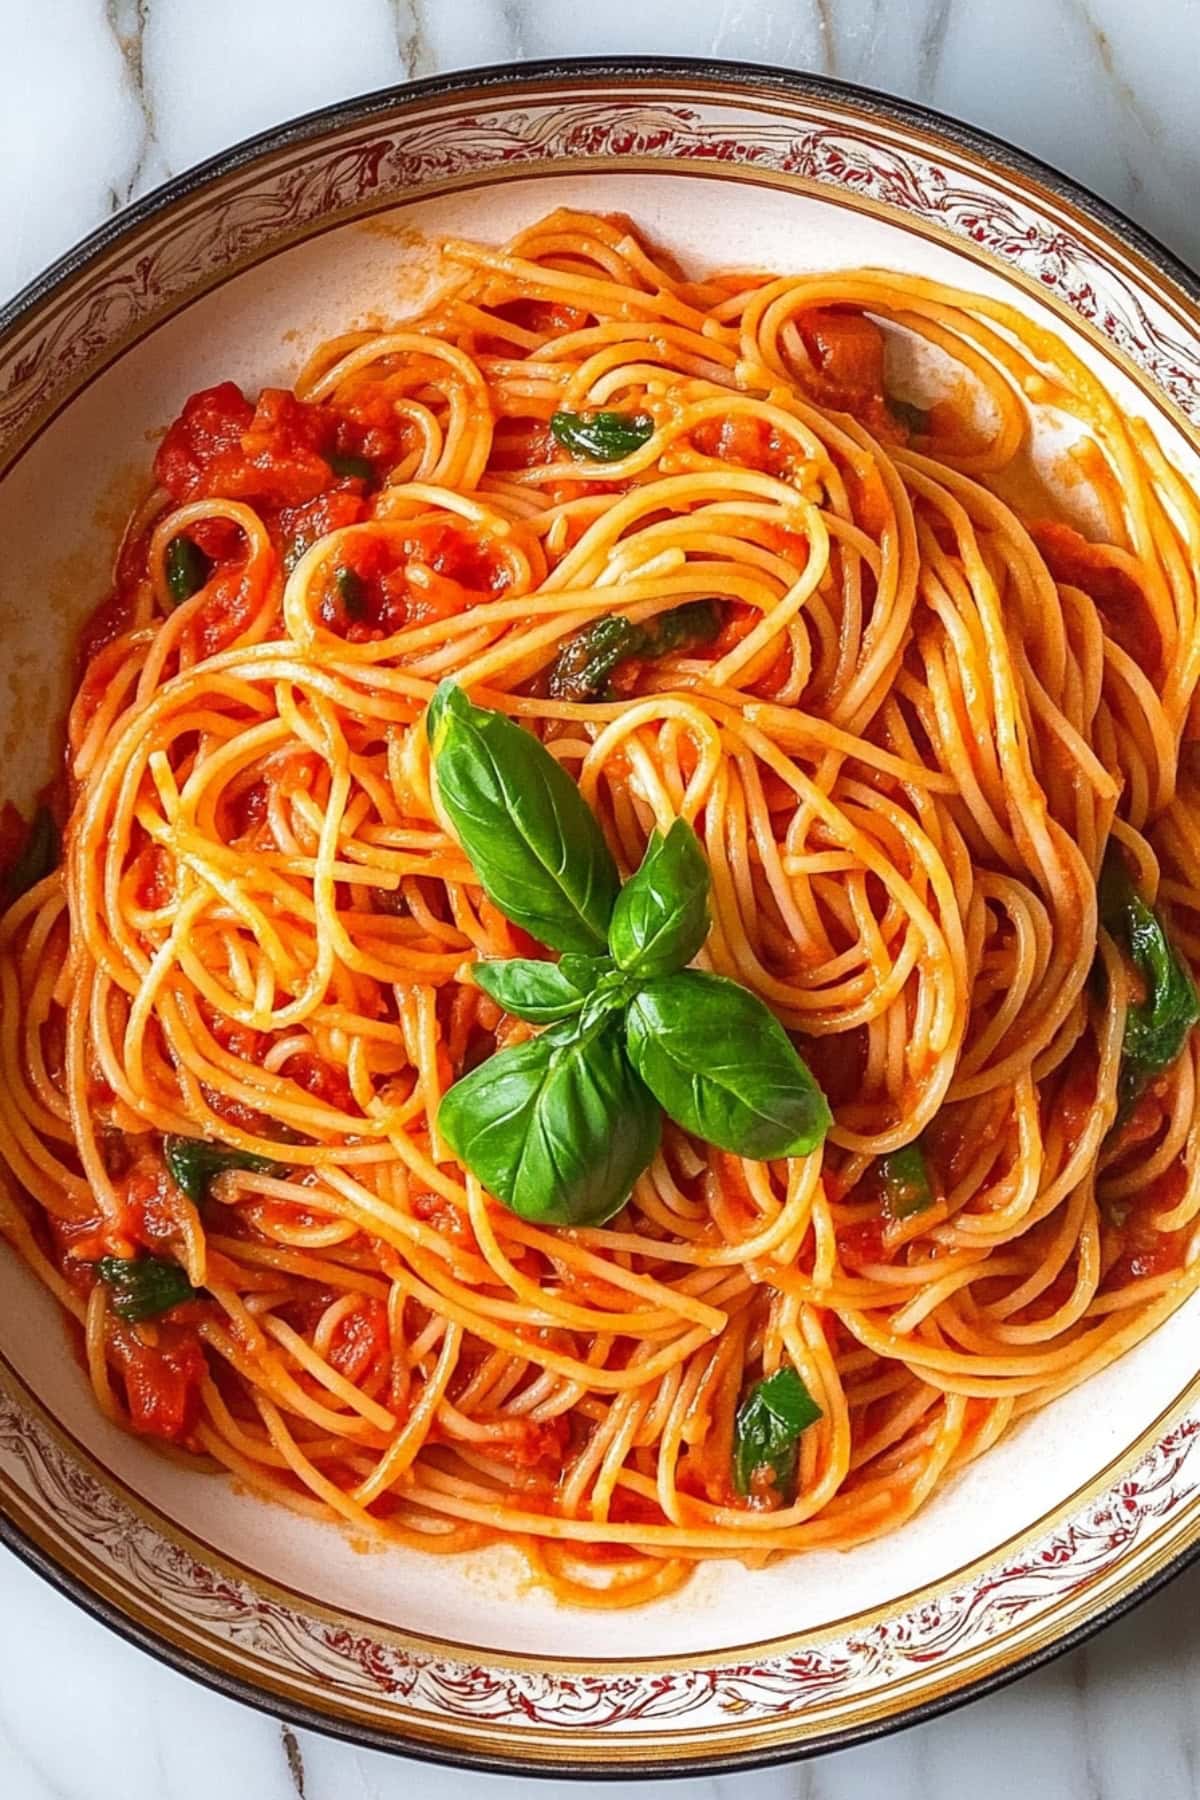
x=918 y=709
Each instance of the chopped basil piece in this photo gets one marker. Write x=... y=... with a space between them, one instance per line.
x=767 y=1432
x=187 y=569
x=1157 y=1027
x=144 y=1286
x=602 y=436
x=352 y=592
x=905 y=1180
x=581 y=670
x=193 y=1163
x=352 y=467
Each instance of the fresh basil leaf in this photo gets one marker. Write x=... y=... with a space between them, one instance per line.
x=144 y=1286
x=612 y=993
x=661 y=916
x=767 y=1432
x=594 y=1130
x=1157 y=1027
x=559 y=1128
x=485 y=1117
x=904 y=1177
x=602 y=436
x=193 y=1162
x=352 y=591
x=39 y=857
x=913 y=418
x=187 y=569
x=352 y=467
x=438 y=710
x=542 y=992
x=581 y=670
x=534 y=842
x=723 y=1067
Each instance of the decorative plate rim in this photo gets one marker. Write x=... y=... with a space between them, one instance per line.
x=753 y=81
x=751 y=76
x=364 y=1737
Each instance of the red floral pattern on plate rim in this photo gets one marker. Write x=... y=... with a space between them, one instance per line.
x=238 y=1620
x=361 y=168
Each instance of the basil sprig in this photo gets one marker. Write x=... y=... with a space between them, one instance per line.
x=560 y=1127
x=602 y=436
x=1157 y=1027
x=144 y=1286
x=767 y=1432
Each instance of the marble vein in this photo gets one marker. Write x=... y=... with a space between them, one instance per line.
x=929 y=44
x=409 y=28
x=127 y=21
x=294 y=1758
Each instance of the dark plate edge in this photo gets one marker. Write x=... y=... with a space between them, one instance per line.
x=313 y=125
x=366 y=1737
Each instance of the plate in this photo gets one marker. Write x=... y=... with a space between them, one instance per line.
x=236 y=271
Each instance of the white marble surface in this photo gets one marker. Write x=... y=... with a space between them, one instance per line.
x=100 y=103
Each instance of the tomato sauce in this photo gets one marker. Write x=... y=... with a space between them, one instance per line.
x=1117 y=595
x=110 y=621
x=239 y=1040
x=546 y=318
x=151 y=1203
x=1133 y=1239
x=161 y=1381
x=153 y=878
x=862 y=1242
x=526 y=1443
x=278 y=455
x=434 y=571
x=446 y=1218
x=360 y=1339
x=324 y=1081
x=300 y=527
x=159 y=1368
x=522 y=444
x=1075 y=1102
x=14 y=834
x=748 y=442
x=220 y=445
x=838 y=1063
x=846 y=353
